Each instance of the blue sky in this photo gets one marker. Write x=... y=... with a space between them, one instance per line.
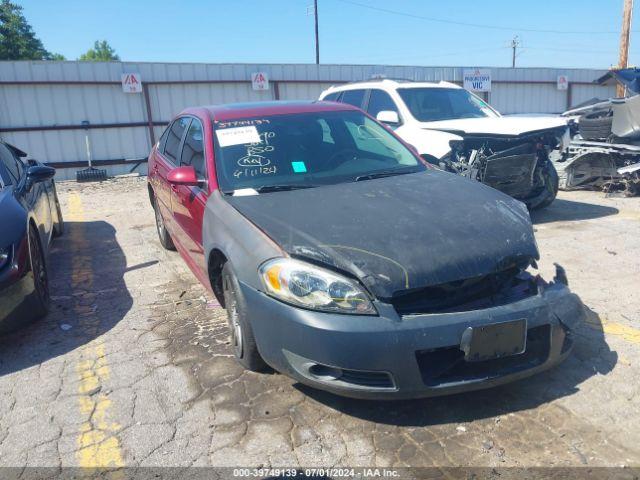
x=280 y=31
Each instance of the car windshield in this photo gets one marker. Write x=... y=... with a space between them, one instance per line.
x=306 y=150
x=434 y=104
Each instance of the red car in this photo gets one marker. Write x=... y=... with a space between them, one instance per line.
x=346 y=262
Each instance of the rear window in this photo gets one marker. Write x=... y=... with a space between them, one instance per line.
x=332 y=97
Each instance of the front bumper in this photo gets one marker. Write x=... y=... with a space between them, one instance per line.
x=389 y=356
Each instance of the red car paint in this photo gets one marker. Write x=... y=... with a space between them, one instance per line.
x=181 y=203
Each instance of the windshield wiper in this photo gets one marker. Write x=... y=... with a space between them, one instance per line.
x=282 y=188
x=384 y=173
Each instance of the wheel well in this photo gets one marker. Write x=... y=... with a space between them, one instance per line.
x=217 y=260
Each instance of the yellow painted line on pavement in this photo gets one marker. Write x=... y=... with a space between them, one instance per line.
x=630 y=334
x=98 y=443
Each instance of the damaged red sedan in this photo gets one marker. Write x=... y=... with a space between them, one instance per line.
x=346 y=262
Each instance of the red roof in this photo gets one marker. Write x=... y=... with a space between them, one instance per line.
x=233 y=111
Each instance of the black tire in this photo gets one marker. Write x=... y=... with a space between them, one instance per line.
x=40 y=300
x=163 y=234
x=596 y=125
x=58 y=226
x=241 y=336
x=551 y=184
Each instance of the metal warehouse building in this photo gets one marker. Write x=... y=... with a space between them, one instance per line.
x=43 y=104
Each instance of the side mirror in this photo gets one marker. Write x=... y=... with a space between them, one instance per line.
x=183 y=176
x=389 y=117
x=36 y=174
x=40 y=173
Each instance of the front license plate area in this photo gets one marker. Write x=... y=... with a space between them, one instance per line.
x=494 y=340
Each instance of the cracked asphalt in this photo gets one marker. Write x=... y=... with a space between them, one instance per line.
x=132 y=367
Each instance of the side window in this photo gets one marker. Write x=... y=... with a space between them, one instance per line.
x=13 y=165
x=380 y=101
x=332 y=97
x=353 y=97
x=163 y=139
x=174 y=137
x=193 y=149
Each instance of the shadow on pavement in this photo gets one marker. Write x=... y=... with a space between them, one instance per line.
x=591 y=356
x=89 y=297
x=568 y=210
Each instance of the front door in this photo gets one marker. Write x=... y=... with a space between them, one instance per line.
x=188 y=203
x=168 y=158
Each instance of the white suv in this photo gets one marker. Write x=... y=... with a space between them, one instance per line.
x=460 y=132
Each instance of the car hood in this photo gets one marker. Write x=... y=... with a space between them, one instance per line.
x=398 y=233
x=508 y=126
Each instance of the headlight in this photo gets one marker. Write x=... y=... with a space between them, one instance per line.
x=4 y=256
x=308 y=286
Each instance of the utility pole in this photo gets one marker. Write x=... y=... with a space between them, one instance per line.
x=623 y=62
x=315 y=16
x=515 y=43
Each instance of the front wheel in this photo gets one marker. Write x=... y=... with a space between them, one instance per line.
x=551 y=185
x=240 y=333
x=40 y=300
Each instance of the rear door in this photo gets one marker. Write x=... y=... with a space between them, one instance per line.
x=168 y=158
x=188 y=203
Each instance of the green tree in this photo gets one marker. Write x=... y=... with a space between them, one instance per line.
x=18 y=41
x=101 y=52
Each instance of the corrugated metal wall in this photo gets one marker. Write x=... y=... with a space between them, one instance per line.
x=42 y=104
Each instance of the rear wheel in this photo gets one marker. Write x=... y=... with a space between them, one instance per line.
x=163 y=234
x=40 y=300
x=240 y=333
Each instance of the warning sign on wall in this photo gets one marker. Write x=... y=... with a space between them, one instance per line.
x=131 y=83
x=563 y=82
x=260 y=81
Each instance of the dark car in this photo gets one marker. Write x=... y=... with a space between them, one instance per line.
x=30 y=217
x=346 y=262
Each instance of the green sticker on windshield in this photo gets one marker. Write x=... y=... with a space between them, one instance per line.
x=299 y=167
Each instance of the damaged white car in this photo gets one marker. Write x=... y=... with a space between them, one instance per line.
x=458 y=131
x=604 y=153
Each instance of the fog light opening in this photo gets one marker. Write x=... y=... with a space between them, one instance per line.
x=324 y=372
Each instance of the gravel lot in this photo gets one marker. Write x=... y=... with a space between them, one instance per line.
x=132 y=366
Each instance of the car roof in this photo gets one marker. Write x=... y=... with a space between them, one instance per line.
x=232 y=111
x=389 y=83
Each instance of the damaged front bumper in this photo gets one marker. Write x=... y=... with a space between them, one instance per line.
x=391 y=356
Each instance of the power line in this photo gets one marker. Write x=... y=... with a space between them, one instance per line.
x=474 y=25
